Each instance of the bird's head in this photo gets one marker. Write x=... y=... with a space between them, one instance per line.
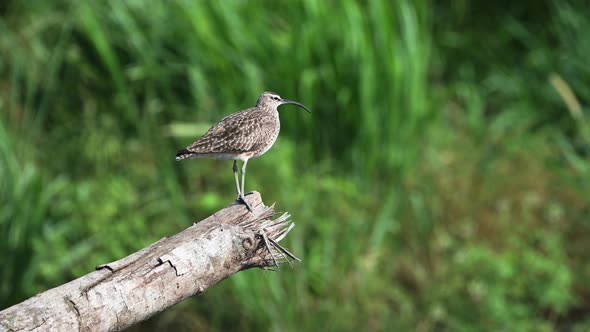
x=272 y=100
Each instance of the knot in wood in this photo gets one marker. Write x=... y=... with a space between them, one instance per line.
x=248 y=243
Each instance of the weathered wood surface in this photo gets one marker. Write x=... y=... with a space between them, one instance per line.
x=132 y=289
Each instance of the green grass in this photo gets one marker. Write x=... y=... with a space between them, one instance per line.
x=441 y=182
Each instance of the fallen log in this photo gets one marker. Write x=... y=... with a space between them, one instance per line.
x=122 y=293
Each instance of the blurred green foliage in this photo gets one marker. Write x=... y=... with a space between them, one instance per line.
x=441 y=183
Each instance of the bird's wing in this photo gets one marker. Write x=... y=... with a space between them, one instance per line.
x=236 y=133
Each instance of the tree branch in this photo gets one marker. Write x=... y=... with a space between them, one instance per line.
x=142 y=284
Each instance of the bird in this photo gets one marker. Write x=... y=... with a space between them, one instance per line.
x=241 y=136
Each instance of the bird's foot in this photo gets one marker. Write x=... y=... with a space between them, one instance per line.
x=242 y=199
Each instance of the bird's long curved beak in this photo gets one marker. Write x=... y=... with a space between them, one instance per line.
x=285 y=101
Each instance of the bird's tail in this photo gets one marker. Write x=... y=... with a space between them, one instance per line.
x=183 y=154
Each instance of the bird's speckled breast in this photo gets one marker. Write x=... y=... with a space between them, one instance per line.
x=271 y=136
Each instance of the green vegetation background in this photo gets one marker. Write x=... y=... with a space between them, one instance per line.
x=441 y=183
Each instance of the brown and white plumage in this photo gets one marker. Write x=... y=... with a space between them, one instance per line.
x=238 y=136
x=241 y=136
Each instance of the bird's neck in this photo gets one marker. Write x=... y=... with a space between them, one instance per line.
x=268 y=109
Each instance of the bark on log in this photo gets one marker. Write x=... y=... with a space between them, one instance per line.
x=132 y=289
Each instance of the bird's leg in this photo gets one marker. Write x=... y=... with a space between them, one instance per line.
x=241 y=192
x=236 y=176
x=243 y=175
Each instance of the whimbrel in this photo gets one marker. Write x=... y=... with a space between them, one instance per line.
x=241 y=136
